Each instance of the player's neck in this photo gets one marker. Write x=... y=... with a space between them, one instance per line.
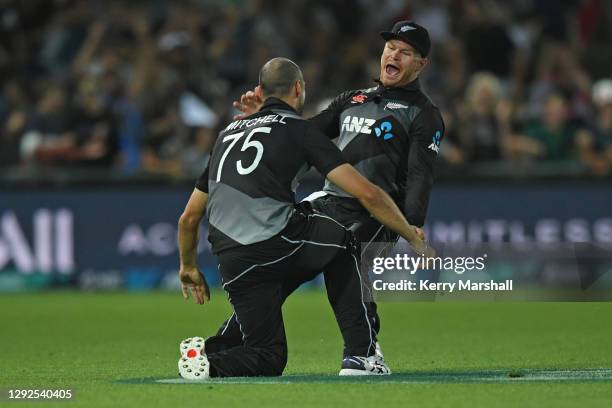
x=292 y=102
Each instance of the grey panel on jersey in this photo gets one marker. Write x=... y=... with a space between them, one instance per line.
x=245 y=219
x=377 y=169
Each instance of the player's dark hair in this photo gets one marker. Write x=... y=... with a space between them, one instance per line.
x=278 y=75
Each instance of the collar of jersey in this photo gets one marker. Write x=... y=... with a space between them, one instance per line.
x=275 y=103
x=410 y=87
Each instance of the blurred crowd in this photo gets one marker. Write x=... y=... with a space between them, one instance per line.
x=144 y=86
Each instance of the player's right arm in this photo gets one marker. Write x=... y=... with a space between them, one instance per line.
x=190 y=277
x=379 y=204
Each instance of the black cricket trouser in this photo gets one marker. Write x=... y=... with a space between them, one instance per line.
x=256 y=277
x=366 y=229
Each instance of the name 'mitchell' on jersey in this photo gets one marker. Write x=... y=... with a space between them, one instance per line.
x=253 y=173
x=391 y=136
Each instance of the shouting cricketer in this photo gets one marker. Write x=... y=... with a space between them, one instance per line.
x=391 y=134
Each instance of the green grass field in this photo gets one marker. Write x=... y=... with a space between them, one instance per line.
x=109 y=349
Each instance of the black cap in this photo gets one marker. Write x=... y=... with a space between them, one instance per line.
x=411 y=33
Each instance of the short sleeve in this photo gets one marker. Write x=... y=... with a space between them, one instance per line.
x=202 y=182
x=321 y=152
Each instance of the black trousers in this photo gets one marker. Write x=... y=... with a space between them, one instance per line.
x=367 y=230
x=258 y=279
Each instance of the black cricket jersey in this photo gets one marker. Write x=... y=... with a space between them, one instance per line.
x=253 y=172
x=392 y=137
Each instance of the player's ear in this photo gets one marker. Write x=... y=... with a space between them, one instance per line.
x=423 y=63
x=298 y=89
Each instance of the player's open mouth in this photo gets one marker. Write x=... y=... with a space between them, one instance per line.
x=391 y=70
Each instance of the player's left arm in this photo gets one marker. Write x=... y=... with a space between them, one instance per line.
x=426 y=131
x=188 y=227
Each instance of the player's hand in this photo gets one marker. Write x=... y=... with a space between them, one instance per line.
x=419 y=244
x=249 y=103
x=193 y=281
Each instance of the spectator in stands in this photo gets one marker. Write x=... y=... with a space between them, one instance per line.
x=484 y=119
x=143 y=87
x=13 y=120
x=62 y=134
x=559 y=72
x=10 y=138
x=550 y=137
x=596 y=143
x=48 y=137
x=488 y=45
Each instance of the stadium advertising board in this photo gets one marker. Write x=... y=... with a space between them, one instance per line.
x=76 y=238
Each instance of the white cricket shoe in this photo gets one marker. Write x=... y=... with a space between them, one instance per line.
x=193 y=364
x=355 y=365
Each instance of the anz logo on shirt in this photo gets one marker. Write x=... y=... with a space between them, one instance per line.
x=364 y=125
x=357 y=125
x=435 y=142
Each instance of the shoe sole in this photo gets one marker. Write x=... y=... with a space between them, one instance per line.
x=353 y=372
x=193 y=364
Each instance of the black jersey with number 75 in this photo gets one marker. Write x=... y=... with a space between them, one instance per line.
x=253 y=172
